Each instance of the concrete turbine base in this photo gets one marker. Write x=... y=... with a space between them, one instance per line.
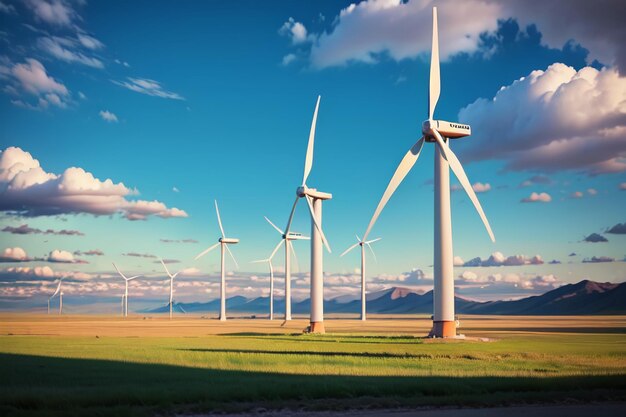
x=443 y=329
x=317 y=327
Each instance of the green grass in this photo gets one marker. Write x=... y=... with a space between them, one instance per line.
x=148 y=376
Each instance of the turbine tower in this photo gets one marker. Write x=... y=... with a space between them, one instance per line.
x=287 y=238
x=126 y=280
x=314 y=201
x=363 y=244
x=58 y=291
x=171 y=285
x=223 y=242
x=440 y=133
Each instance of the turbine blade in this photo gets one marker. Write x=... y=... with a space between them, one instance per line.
x=133 y=277
x=260 y=261
x=166 y=270
x=276 y=249
x=118 y=271
x=358 y=238
x=459 y=172
x=209 y=249
x=293 y=210
x=232 y=256
x=175 y=275
x=349 y=249
x=405 y=166
x=373 y=240
x=317 y=226
x=434 y=87
x=372 y=250
x=308 y=162
x=274 y=226
x=58 y=289
x=219 y=219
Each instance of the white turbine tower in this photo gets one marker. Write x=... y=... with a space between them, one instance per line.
x=58 y=291
x=314 y=201
x=171 y=285
x=126 y=280
x=363 y=244
x=439 y=132
x=286 y=239
x=223 y=242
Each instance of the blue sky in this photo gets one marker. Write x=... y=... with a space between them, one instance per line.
x=189 y=102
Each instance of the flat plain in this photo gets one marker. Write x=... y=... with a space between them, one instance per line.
x=105 y=365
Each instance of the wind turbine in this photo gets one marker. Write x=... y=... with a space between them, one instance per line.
x=171 y=285
x=314 y=201
x=126 y=280
x=440 y=133
x=363 y=244
x=223 y=242
x=286 y=239
x=58 y=291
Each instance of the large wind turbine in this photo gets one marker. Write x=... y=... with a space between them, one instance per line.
x=363 y=244
x=58 y=291
x=287 y=238
x=314 y=201
x=440 y=133
x=126 y=280
x=223 y=242
x=171 y=285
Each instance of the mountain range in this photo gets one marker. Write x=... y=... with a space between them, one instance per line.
x=584 y=297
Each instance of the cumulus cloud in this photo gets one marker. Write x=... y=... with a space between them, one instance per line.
x=500 y=282
x=479 y=187
x=537 y=198
x=108 y=116
x=618 y=229
x=24 y=229
x=402 y=29
x=288 y=59
x=14 y=255
x=537 y=180
x=598 y=259
x=148 y=87
x=296 y=31
x=32 y=79
x=557 y=119
x=61 y=256
x=458 y=261
x=595 y=238
x=499 y=259
x=26 y=189
x=67 y=49
x=54 y=12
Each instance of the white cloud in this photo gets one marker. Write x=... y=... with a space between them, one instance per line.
x=499 y=259
x=479 y=187
x=27 y=189
x=537 y=198
x=15 y=254
x=64 y=49
x=576 y=194
x=32 y=78
x=295 y=30
x=558 y=119
x=458 y=261
x=55 y=12
x=592 y=191
x=61 y=256
x=175 y=189
x=108 y=116
x=288 y=59
x=89 y=42
x=148 y=87
x=7 y=8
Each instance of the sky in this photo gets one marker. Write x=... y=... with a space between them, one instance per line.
x=121 y=123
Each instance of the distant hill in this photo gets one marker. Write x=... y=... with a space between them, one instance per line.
x=585 y=297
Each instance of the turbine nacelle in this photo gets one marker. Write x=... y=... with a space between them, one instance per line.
x=228 y=240
x=304 y=191
x=446 y=129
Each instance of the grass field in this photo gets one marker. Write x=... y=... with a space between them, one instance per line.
x=109 y=366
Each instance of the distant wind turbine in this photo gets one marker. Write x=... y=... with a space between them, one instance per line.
x=362 y=243
x=126 y=280
x=223 y=242
x=58 y=291
x=286 y=239
x=171 y=285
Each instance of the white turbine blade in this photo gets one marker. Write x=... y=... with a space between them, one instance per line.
x=176 y=274
x=274 y=226
x=317 y=226
x=349 y=249
x=293 y=210
x=276 y=249
x=133 y=277
x=58 y=289
x=232 y=256
x=372 y=250
x=373 y=240
x=118 y=271
x=459 y=172
x=434 y=87
x=405 y=166
x=166 y=270
x=308 y=162
x=209 y=249
x=295 y=258
x=260 y=261
x=219 y=219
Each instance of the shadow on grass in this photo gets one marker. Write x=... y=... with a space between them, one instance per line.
x=36 y=385
x=584 y=330
x=336 y=354
x=328 y=338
